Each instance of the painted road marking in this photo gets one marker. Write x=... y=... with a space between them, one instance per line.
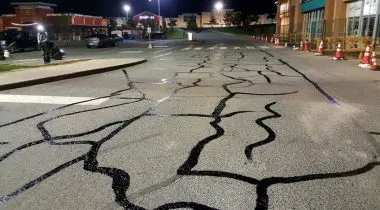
x=223 y=48
x=31 y=99
x=264 y=47
x=165 y=50
x=162 y=55
x=198 y=48
x=250 y=48
x=236 y=48
x=211 y=48
x=130 y=52
x=160 y=46
x=187 y=48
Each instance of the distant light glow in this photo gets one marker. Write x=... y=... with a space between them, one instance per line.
x=127 y=8
x=40 y=28
x=219 y=5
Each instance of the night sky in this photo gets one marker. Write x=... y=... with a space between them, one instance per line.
x=169 y=8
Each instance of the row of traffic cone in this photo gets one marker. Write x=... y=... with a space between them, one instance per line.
x=368 y=61
x=304 y=46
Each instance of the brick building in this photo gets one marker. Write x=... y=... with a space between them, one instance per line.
x=76 y=25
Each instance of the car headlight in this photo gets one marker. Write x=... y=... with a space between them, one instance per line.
x=61 y=50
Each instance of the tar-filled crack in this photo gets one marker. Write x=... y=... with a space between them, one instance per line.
x=121 y=179
x=271 y=134
x=374 y=133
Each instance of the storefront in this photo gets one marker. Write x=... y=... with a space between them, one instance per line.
x=361 y=18
x=313 y=16
x=284 y=17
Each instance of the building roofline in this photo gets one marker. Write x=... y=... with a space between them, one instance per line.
x=144 y=12
x=34 y=3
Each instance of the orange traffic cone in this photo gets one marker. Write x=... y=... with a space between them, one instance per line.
x=374 y=66
x=301 y=46
x=320 y=50
x=306 y=46
x=367 y=56
x=339 y=53
x=277 y=42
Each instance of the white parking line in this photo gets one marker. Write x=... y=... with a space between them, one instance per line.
x=160 y=46
x=162 y=55
x=187 y=48
x=130 y=52
x=198 y=48
x=223 y=48
x=32 y=99
x=165 y=50
x=264 y=47
x=250 y=48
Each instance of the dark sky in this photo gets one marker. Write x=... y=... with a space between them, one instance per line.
x=168 y=7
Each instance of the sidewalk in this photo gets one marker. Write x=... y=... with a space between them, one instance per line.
x=34 y=76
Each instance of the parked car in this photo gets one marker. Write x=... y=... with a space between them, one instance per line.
x=117 y=38
x=20 y=41
x=129 y=36
x=99 y=40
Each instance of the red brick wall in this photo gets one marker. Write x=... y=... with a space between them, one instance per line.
x=32 y=15
x=7 y=22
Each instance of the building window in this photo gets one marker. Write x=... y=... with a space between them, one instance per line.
x=353 y=26
x=370 y=7
x=354 y=9
x=284 y=8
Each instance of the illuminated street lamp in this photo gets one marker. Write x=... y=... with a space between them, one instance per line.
x=218 y=6
x=127 y=8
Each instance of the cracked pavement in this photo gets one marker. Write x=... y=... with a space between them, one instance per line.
x=210 y=129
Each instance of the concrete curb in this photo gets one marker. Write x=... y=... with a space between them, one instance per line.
x=67 y=76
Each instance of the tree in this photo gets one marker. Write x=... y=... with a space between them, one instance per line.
x=112 y=24
x=237 y=18
x=271 y=16
x=212 y=20
x=192 y=25
x=131 y=23
x=228 y=17
x=172 y=24
x=248 y=18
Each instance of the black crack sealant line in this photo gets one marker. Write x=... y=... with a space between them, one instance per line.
x=271 y=134
x=316 y=86
x=120 y=178
x=113 y=94
x=270 y=68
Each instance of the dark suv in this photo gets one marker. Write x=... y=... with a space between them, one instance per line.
x=20 y=41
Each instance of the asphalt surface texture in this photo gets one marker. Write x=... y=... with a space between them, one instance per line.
x=227 y=123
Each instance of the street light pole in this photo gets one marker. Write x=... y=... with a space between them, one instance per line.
x=219 y=6
x=127 y=8
x=159 y=14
